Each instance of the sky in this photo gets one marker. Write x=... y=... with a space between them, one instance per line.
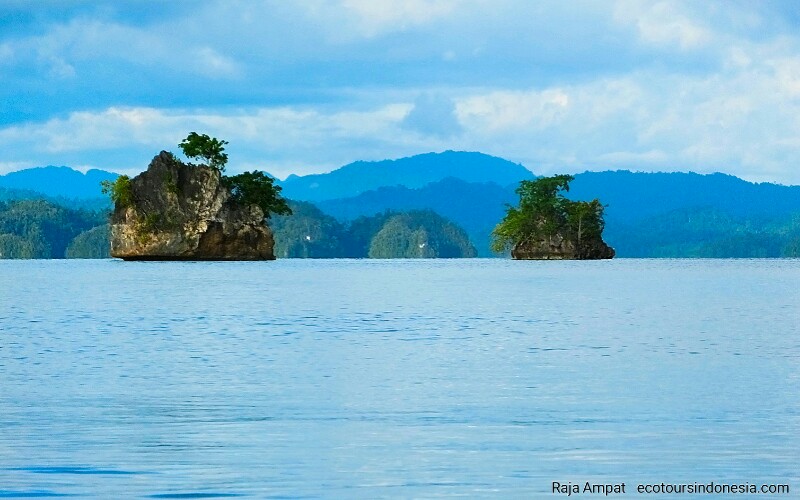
x=309 y=85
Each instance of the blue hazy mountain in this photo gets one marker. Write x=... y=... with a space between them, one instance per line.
x=412 y=172
x=647 y=214
x=632 y=197
x=476 y=207
x=58 y=181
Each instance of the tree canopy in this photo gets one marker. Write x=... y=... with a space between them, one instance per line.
x=544 y=211
x=209 y=150
x=257 y=188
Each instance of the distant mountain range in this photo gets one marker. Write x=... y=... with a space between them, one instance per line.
x=476 y=207
x=648 y=214
x=412 y=172
x=635 y=196
x=58 y=181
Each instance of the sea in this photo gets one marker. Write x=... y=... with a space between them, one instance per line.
x=473 y=378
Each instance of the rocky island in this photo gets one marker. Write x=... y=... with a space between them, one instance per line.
x=548 y=226
x=180 y=211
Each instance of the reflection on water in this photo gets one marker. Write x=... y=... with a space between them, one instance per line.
x=480 y=378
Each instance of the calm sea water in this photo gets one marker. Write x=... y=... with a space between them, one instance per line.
x=371 y=379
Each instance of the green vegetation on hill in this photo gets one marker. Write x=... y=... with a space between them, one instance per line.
x=91 y=244
x=420 y=234
x=210 y=150
x=710 y=233
x=88 y=204
x=309 y=233
x=472 y=206
x=648 y=214
x=37 y=229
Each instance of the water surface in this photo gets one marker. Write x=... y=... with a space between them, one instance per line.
x=371 y=379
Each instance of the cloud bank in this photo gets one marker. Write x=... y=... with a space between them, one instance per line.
x=301 y=87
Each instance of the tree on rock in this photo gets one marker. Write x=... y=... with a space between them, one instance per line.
x=209 y=150
x=547 y=225
x=248 y=188
x=257 y=188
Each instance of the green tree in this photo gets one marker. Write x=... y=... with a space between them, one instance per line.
x=544 y=211
x=585 y=219
x=209 y=150
x=120 y=191
x=257 y=188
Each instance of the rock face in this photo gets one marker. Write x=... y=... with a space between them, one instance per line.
x=184 y=212
x=560 y=248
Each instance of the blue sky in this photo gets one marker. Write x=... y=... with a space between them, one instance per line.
x=307 y=86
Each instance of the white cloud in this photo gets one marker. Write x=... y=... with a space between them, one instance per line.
x=379 y=16
x=307 y=86
x=434 y=115
x=215 y=65
x=746 y=123
x=266 y=136
x=500 y=112
x=63 y=49
x=662 y=23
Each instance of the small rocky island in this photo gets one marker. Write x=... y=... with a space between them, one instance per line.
x=180 y=211
x=548 y=226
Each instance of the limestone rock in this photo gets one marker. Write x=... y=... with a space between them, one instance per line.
x=558 y=247
x=184 y=212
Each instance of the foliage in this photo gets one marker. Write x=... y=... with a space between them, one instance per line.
x=257 y=188
x=170 y=183
x=90 y=244
x=30 y=246
x=361 y=231
x=308 y=233
x=120 y=191
x=708 y=233
x=544 y=211
x=419 y=234
x=792 y=248
x=210 y=150
x=396 y=240
x=248 y=188
x=37 y=229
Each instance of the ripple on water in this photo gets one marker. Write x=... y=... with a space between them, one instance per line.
x=479 y=378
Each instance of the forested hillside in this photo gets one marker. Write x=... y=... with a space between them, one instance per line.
x=475 y=207
x=38 y=229
x=309 y=233
x=707 y=232
x=647 y=214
